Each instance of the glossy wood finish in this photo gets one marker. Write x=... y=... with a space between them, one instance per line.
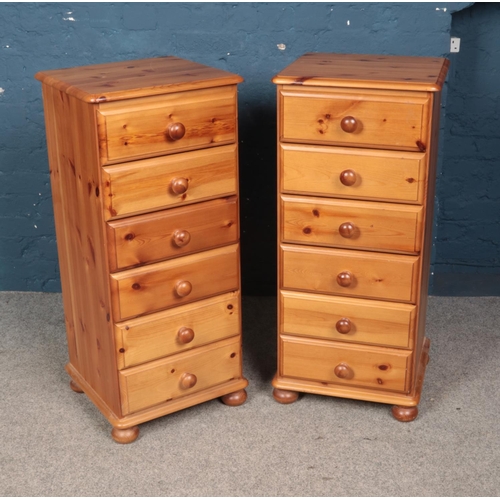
x=116 y=223
x=235 y=398
x=357 y=149
x=75 y=387
x=405 y=413
x=141 y=128
x=352 y=173
x=285 y=397
x=172 y=233
x=145 y=185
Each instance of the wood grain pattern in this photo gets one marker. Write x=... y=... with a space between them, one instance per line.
x=373 y=226
x=380 y=175
x=159 y=381
x=373 y=367
x=138 y=128
x=385 y=121
x=81 y=241
x=371 y=321
x=362 y=71
x=375 y=275
x=138 y=78
x=153 y=237
x=156 y=335
x=152 y=288
x=143 y=186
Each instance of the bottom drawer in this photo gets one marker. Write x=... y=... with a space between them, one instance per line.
x=176 y=376
x=330 y=362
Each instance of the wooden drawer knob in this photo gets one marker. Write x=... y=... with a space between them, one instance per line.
x=188 y=380
x=343 y=325
x=347 y=229
x=344 y=279
x=185 y=335
x=343 y=371
x=183 y=288
x=176 y=131
x=348 y=124
x=179 y=185
x=181 y=237
x=348 y=177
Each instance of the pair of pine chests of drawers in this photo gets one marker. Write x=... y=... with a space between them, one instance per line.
x=357 y=147
x=144 y=172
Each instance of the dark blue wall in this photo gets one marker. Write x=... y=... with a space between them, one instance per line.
x=467 y=258
x=242 y=38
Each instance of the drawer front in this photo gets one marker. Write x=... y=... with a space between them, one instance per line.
x=353 y=173
x=153 y=126
x=147 y=185
x=348 y=319
x=337 y=363
x=378 y=119
x=169 y=378
x=352 y=224
x=350 y=273
x=174 y=282
x=171 y=233
x=169 y=332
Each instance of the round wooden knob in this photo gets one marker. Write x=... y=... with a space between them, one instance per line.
x=176 y=131
x=348 y=124
x=179 y=185
x=343 y=325
x=347 y=229
x=181 y=237
x=188 y=380
x=344 y=279
x=348 y=177
x=343 y=371
x=183 y=288
x=185 y=335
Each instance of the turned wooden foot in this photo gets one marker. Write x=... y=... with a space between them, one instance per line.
x=285 y=397
x=405 y=413
x=74 y=386
x=235 y=398
x=125 y=436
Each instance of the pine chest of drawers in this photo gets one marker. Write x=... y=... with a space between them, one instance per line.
x=144 y=174
x=357 y=147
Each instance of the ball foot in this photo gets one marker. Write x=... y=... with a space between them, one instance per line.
x=125 y=436
x=74 y=386
x=235 y=398
x=285 y=397
x=405 y=413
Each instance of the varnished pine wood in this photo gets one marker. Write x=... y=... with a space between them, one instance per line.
x=125 y=436
x=285 y=397
x=138 y=78
x=144 y=186
x=75 y=387
x=159 y=286
x=235 y=398
x=352 y=224
x=172 y=233
x=405 y=413
x=379 y=175
x=365 y=71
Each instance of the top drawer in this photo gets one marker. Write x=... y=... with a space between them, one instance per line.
x=381 y=119
x=152 y=126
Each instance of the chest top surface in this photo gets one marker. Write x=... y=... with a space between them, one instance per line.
x=366 y=71
x=139 y=78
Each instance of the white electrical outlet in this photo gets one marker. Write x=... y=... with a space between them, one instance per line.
x=455 y=44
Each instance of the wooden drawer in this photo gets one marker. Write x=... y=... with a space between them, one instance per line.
x=347 y=319
x=352 y=224
x=353 y=173
x=172 y=233
x=169 y=332
x=338 y=363
x=384 y=119
x=147 y=185
x=362 y=274
x=169 y=378
x=174 y=282
x=157 y=125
